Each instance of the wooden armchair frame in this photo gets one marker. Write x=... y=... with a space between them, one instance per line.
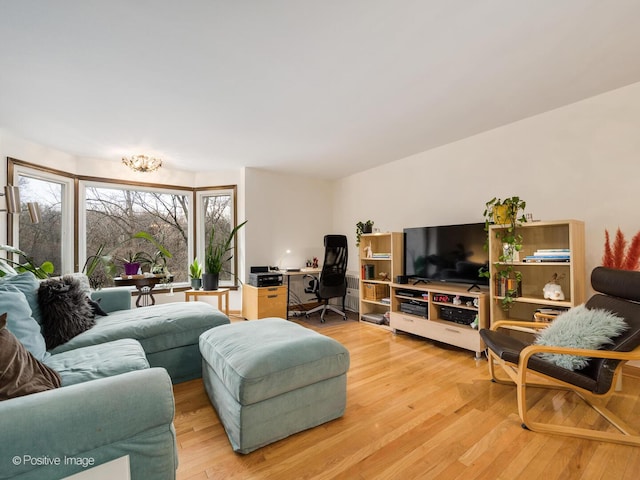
x=520 y=374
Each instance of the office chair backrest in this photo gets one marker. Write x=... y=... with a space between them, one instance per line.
x=333 y=281
x=620 y=294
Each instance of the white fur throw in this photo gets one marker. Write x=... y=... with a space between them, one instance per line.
x=579 y=327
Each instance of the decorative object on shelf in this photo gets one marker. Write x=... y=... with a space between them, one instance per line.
x=363 y=227
x=384 y=276
x=313 y=263
x=368 y=252
x=195 y=273
x=553 y=291
x=618 y=256
x=217 y=254
x=142 y=163
x=509 y=213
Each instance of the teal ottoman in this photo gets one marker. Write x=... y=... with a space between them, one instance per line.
x=271 y=378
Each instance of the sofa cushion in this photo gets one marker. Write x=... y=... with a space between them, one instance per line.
x=21 y=323
x=20 y=372
x=65 y=310
x=28 y=284
x=98 y=361
x=157 y=328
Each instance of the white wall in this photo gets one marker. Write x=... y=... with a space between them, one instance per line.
x=581 y=161
x=285 y=213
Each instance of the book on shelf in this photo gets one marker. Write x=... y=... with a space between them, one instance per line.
x=381 y=255
x=552 y=252
x=557 y=258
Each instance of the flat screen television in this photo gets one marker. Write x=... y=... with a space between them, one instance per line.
x=446 y=253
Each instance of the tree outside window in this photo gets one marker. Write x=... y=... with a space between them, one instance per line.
x=42 y=241
x=219 y=216
x=115 y=214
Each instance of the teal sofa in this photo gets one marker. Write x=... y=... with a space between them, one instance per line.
x=116 y=397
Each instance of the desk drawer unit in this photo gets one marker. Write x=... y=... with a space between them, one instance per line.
x=264 y=302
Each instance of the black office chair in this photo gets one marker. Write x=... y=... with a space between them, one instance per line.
x=333 y=277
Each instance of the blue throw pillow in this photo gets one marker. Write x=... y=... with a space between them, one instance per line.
x=20 y=322
x=28 y=284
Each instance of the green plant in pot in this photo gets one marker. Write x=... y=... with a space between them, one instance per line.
x=363 y=227
x=509 y=213
x=99 y=268
x=195 y=274
x=216 y=255
x=11 y=267
x=132 y=261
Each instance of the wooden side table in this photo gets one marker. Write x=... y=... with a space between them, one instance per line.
x=220 y=293
x=144 y=284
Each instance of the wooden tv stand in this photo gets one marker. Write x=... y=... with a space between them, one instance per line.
x=434 y=297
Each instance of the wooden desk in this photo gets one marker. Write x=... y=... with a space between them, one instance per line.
x=144 y=284
x=220 y=293
x=294 y=273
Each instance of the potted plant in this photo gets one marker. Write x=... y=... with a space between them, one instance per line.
x=134 y=261
x=216 y=255
x=11 y=267
x=363 y=227
x=195 y=273
x=509 y=213
x=98 y=268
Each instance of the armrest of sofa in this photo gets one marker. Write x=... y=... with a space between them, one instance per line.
x=112 y=299
x=60 y=432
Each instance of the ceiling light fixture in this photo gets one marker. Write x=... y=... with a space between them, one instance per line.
x=142 y=163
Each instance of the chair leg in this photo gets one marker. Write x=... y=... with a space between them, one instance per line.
x=626 y=435
x=314 y=310
x=336 y=310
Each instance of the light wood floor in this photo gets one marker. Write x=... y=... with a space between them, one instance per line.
x=415 y=410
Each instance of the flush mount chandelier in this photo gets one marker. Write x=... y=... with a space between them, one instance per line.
x=142 y=163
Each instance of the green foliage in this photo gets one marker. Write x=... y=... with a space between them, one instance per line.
x=361 y=227
x=195 y=269
x=509 y=213
x=10 y=267
x=219 y=253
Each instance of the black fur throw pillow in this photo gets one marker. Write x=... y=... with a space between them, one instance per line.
x=65 y=308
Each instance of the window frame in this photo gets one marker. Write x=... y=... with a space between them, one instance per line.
x=74 y=253
x=199 y=226
x=16 y=168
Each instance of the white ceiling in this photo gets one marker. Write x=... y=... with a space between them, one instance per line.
x=324 y=88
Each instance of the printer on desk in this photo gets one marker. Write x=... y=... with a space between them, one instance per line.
x=264 y=277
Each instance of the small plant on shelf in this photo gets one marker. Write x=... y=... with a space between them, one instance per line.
x=509 y=213
x=363 y=227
